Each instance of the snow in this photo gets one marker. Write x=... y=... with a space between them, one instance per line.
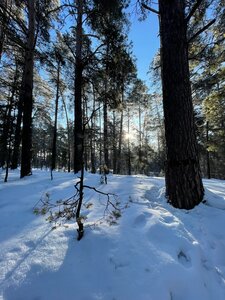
x=154 y=252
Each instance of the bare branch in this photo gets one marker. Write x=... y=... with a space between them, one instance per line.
x=10 y=15
x=105 y=194
x=149 y=8
x=201 y=30
x=193 y=10
x=86 y=61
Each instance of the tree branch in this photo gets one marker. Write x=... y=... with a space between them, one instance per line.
x=201 y=30
x=13 y=17
x=149 y=8
x=193 y=10
x=105 y=194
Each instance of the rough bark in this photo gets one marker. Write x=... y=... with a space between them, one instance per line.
x=27 y=94
x=183 y=180
x=78 y=114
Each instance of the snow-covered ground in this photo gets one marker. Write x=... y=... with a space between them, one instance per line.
x=154 y=252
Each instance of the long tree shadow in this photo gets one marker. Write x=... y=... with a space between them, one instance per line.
x=76 y=278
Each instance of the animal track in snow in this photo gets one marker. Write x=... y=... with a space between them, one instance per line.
x=141 y=220
x=184 y=259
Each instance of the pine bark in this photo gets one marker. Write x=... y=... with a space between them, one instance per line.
x=78 y=114
x=27 y=94
x=183 y=180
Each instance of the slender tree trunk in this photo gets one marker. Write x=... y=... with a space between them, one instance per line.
x=53 y=162
x=68 y=134
x=140 y=139
x=183 y=180
x=105 y=131
x=78 y=114
x=7 y=122
x=17 y=140
x=120 y=138
x=118 y=171
x=105 y=113
x=92 y=139
x=207 y=152
x=100 y=133
x=26 y=94
x=4 y=24
x=114 y=143
x=128 y=143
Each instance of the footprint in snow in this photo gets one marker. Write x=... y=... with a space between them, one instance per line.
x=184 y=259
x=141 y=220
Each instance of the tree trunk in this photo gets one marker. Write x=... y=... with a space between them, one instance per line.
x=140 y=140
x=105 y=133
x=128 y=144
x=68 y=133
x=26 y=94
x=53 y=162
x=183 y=181
x=4 y=24
x=92 y=139
x=17 y=140
x=78 y=114
x=105 y=112
x=118 y=171
x=114 y=143
x=100 y=137
x=207 y=152
x=4 y=139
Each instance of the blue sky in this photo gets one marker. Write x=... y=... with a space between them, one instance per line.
x=145 y=39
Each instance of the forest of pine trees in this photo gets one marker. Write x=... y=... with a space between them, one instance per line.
x=70 y=96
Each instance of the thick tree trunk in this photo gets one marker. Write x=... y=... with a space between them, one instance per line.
x=53 y=162
x=183 y=181
x=27 y=94
x=78 y=114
